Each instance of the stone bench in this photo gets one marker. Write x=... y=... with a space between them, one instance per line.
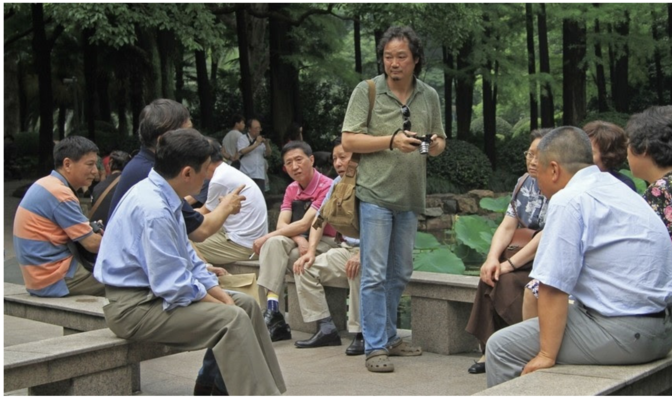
x=440 y=308
x=654 y=378
x=88 y=363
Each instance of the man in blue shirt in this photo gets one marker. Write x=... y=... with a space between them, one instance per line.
x=159 y=291
x=157 y=118
x=607 y=248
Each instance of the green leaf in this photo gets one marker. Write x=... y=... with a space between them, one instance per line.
x=441 y=260
x=468 y=230
x=425 y=241
x=499 y=204
x=640 y=184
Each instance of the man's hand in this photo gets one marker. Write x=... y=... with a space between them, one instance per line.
x=233 y=200
x=302 y=244
x=304 y=262
x=220 y=294
x=218 y=271
x=259 y=139
x=258 y=243
x=352 y=266
x=406 y=142
x=538 y=362
x=490 y=271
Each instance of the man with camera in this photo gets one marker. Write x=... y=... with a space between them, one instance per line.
x=391 y=182
x=49 y=217
x=252 y=149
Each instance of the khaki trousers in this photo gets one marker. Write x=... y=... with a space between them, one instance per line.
x=277 y=257
x=328 y=268
x=237 y=335
x=218 y=249
x=84 y=283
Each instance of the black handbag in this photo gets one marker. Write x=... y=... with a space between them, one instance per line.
x=299 y=208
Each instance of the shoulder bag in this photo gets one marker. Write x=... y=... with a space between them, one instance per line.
x=341 y=209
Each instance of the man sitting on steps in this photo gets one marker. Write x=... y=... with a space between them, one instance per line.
x=338 y=265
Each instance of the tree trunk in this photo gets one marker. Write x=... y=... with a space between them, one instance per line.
x=547 y=108
x=669 y=35
x=61 y=121
x=620 y=77
x=214 y=66
x=573 y=75
x=284 y=77
x=489 y=114
x=464 y=89
x=377 y=35
x=152 y=67
x=612 y=64
x=23 y=98
x=448 y=66
x=599 y=68
x=204 y=91
x=179 y=72
x=121 y=77
x=12 y=108
x=358 y=47
x=531 y=67
x=658 y=57
x=42 y=59
x=103 y=90
x=135 y=77
x=166 y=47
x=90 y=51
x=244 y=61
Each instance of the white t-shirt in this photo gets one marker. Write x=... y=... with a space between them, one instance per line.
x=251 y=222
x=230 y=142
x=252 y=164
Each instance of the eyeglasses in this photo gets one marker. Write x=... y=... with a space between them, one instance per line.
x=406 y=113
x=531 y=156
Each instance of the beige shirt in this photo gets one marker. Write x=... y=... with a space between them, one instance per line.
x=393 y=179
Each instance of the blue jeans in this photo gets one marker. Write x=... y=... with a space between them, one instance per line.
x=209 y=374
x=386 y=241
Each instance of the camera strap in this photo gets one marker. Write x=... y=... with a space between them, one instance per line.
x=102 y=196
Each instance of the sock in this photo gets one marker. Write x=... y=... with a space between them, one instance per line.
x=326 y=325
x=273 y=303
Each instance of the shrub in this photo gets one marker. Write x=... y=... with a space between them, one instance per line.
x=510 y=157
x=436 y=185
x=503 y=127
x=462 y=164
x=614 y=117
x=107 y=136
x=27 y=143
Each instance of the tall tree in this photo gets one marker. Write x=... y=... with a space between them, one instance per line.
x=547 y=108
x=620 y=76
x=531 y=66
x=244 y=61
x=573 y=71
x=599 y=71
x=658 y=60
x=90 y=51
x=669 y=35
x=448 y=68
x=464 y=89
x=358 y=46
x=204 y=91
x=42 y=47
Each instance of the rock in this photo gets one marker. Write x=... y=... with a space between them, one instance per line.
x=433 y=212
x=479 y=194
x=467 y=205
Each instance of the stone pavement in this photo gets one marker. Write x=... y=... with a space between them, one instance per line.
x=324 y=371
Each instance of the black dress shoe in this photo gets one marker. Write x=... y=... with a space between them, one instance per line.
x=320 y=340
x=477 y=368
x=277 y=327
x=356 y=348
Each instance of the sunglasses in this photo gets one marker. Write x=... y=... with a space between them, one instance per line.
x=406 y=113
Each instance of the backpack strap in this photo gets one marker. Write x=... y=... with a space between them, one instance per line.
x=354 y=160
x=103 y=195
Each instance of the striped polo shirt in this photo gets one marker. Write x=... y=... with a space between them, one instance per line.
x=48 y=216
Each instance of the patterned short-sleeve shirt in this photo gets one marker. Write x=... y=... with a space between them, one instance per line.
x=659 y=197
x=530 y=204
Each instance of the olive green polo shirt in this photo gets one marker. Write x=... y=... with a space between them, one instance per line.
x=393 y=179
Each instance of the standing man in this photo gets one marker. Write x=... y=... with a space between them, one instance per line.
x=49 y=216
x=160 y=292
x=391 y=183
x=230 y=141
x=252 y=148
x=608 y=249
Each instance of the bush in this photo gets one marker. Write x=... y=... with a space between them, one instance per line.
x=503 y=127
x=614 y=117
x=27 y=143
x=462 y=164
x=436 y=185
x=510 y=157
x=107 y=136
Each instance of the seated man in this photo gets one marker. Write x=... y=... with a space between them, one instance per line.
x=157 y=118
x=49 y=216
x=604 y=246
x=197 y=200
x=234 y=241
x=341 y=265
x=279 y=249
x=159 y=291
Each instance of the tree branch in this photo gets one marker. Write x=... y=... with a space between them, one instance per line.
x=282 y=17
x=27 y=32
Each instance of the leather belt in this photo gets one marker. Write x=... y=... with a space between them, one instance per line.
x=660 y=314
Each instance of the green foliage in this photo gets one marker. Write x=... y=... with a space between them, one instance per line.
x=27 y=143
x=510 y=155
x=502 y=180
x=431 y=256
x=503 y=127
x=275 y=160
x=475 y=232
x=640 y=184
x=107 y=136
x=462 y=164
x=620 y=119
x=522 y=127
x=436 y=185
x=499 y=204
x=324 y=103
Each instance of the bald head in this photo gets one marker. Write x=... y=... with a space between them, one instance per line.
x=568 y=146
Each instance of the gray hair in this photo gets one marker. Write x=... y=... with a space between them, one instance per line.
x=569 y=146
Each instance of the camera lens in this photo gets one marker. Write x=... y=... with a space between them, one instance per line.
x=424 y=146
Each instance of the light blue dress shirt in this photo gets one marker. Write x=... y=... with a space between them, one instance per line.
x=353 y=242
x=604 y=245
x=146 y=245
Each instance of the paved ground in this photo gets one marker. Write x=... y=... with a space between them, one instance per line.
x=307 y=372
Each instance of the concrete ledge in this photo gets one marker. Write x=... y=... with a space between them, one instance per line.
x=591 y=380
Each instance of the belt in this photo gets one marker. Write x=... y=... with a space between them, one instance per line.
x=659 y=314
